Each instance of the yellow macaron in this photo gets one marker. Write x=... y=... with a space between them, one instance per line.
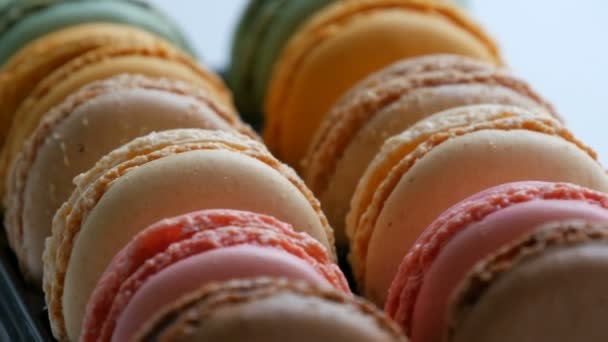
x=345 y=42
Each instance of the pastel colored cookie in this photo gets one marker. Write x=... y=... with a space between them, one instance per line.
x=176 y=256
x=263 y=31
x=163 y=175
x=154 y=60
x=270 y=310
x=390 y=101
x=548 y=286
x=28 y=67
x=24 y=21
x=74 y=135
x=345 y=42
x=415 y=177
x=469 y=232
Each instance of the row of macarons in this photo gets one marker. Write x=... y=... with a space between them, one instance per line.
x=387 y=155
x=64 y=130
x=77 y=93
x=84 y=77
x=120 y=264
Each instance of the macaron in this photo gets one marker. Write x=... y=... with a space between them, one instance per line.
x=156 y=176
x=390 y=101
x=154 y=60
x=548 y=286
x=264 y=28
x=24 y=21
x=178 y=255
x=270 y=310
x=346 y=41
x=31 y=64
x=74 y=135
x=467 y=233
x=415 y=177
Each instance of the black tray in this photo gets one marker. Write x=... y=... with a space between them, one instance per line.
x=23 y=316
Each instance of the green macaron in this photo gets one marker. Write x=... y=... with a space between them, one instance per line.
x=263 y=31
x=22 y=21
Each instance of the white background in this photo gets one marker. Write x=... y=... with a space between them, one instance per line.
x=559 y=46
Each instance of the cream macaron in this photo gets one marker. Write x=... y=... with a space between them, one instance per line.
x=390 y=101
x=73 y=136
x=157 y=59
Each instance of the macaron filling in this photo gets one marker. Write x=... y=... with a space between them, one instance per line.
x=243 y=261
x=474 y=242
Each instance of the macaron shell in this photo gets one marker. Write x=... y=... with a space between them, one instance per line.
x=67 y=143
x=154 y=61
x=475 y=242
x=207 y=179
x=63 y=14
x=30 y=65
x=399 y=146
x=250 y=310
x=361 y=29
x=350 y=164
x=235 y=170
x=540 y=155
x=185 y=276
x=560 y=275
x=291 y=17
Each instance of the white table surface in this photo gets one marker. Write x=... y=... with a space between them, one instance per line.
x=559 y=46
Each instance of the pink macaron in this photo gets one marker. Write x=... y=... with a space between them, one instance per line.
x=467 y=233
x=176 y=256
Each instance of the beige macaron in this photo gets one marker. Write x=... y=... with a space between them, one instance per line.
x=424 y=170
x=77 y=133
x=157 y=59
x=390 y=101
x=163 y=175
x=270 y=310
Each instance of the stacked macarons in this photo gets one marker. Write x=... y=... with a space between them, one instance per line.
x=394 y=162
x=129 y=181
x=80 y=78
x=475 y=229
x=395 y=111
x=177 y=256
x=146 y=209
x=132 y=238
